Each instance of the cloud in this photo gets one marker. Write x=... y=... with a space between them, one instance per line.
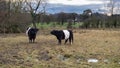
x=74 y=2
x=105 y=0
x=108 y=6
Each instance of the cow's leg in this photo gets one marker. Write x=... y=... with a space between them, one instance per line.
x=30 y=40
x=34 y=38
x=66 y=41
x=59 y=41
x=70 y=41
x=71 y=38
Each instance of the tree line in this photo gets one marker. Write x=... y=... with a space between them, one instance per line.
x=15 y=16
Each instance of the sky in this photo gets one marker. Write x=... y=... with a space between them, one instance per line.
x=98 y=5
x=75 y=2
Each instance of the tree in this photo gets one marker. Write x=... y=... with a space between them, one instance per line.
x=34 y=6
x=87 y=12
x=72 y=16
x=86 y=17
x=113 y=7
x=3 y=14
x=11 y=15
x=61 y=18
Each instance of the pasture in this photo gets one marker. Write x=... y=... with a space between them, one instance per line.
x=102 y=45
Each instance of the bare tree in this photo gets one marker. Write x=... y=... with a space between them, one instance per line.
x=10 y=14
x=113 y=6
x=118 y=7
x=34 y=7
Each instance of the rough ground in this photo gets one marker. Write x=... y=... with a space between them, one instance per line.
x=100 y=45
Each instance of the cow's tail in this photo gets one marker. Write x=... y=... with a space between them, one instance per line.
x=71 y=34
x=72 y=37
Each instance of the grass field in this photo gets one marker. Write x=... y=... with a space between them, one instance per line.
x=102 y=45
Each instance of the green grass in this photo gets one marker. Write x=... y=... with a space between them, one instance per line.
x=77 y=25
x=56 y=25
x=16 y=52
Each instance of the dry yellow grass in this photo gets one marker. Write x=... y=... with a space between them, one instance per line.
x=104 y=45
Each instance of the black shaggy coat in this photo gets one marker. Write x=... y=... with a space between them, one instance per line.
x=31 y=32
x=60 y=35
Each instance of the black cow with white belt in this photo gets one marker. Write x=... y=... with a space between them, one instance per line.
x=63 y=34
x=31 y=32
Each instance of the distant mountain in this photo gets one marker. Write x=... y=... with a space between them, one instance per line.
x=56 y=8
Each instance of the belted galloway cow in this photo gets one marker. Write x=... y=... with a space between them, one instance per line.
x=63 y=35
x=31 y=32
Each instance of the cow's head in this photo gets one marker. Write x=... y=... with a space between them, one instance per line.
x=32 y=30
x=36 y=29
x=54 y=32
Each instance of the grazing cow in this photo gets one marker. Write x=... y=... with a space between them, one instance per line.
x=31 y=32
x=63 y=34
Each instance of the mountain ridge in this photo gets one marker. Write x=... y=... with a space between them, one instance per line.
x=56 y=8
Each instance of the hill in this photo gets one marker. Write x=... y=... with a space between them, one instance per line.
x=56 y=8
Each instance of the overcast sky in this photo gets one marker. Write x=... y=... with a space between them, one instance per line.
x=101 y=5
x=76 y=2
